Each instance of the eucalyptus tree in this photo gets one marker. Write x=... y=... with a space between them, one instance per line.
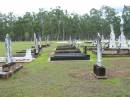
x=126 y=17
x=108 y=15
x=95 y=22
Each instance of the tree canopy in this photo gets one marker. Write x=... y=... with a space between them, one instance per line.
x=60 y=25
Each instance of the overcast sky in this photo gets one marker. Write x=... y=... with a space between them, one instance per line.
x=19 y=7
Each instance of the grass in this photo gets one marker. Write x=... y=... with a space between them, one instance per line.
x=41 y=78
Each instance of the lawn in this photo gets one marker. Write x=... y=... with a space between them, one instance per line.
x=41 y=78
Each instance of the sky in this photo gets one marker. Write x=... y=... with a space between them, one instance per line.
x=19 y=7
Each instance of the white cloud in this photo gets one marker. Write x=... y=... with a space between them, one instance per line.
x=79 y=6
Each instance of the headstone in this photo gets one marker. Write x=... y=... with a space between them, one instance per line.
x=112 y=42
x=8 y=51
x=122 y=39
x=98 y=68
x=36 y=43
x=28 y=54
x=70 y=40
x=40 y=41
x=99 y=50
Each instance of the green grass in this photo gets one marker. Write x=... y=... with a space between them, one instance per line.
x=41 y=78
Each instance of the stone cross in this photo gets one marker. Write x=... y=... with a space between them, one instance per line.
x=99 y=51
x=112 y=42
x=9 y=58
x=36 y=43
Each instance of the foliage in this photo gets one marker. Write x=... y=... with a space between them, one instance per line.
x=59 y=24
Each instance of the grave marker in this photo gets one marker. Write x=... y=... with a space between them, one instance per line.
x=122 y=39
x=40 y=41
x=112 y=42
x=8 y=51
x=36 y=44
x=98 y=68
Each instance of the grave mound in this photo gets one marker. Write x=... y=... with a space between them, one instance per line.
x=68 y=52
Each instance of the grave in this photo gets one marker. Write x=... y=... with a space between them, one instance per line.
x=98 y=69
x=37 y=38
x=28 y=57
x=36 y=48
x=9 y=67
x=69 y=56
x=68 y=52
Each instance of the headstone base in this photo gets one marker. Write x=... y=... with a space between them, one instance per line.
x=99 y=71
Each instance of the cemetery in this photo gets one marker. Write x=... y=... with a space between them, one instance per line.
x=57 y=54
x=10 y=64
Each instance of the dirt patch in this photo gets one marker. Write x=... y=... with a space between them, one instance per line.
x=121 y=62
x=121 y=68
x=119 y=73
x=82 y=74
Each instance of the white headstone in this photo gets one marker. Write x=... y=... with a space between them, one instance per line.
x=70 y=40
x=9 y=58
x=112 y=42
x=122 y=39
x=40 y=41
x=99 y=50
x=28 y=54
x=36 y=42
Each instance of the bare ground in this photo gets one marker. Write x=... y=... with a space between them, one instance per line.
x=120 y=68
